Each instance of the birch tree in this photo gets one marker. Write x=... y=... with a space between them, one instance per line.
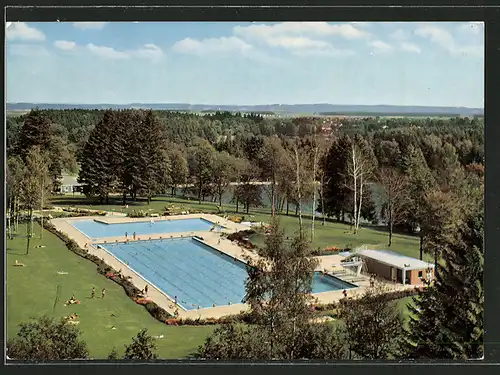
x=34 y=186
x=359 y=171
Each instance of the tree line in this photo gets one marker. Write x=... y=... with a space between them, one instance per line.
x=409 y=170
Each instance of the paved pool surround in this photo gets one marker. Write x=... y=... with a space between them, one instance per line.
x=212 y=239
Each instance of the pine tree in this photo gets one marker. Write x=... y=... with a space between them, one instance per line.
x=446 y=320
x=151 y=161
x=334 y=189
x=421 y=181
x=98 y=166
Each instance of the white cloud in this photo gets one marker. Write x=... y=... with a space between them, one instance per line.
x=474 y=27
x=65 y=45
x=288 y=42
x=330 y=51
x=148 y=51
x=444 y=39
x=399 y=34
x=28 y=50
x=436 y=35
x=21 y=31
x=410 y=47
x=89 y=25
x=212 y=45
x=381 y=46
x=107 y=52
x=263 y=31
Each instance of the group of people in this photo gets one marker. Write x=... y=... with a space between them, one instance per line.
x=103 y=292
x=133 y=235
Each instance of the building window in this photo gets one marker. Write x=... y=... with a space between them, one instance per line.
x=420 y=274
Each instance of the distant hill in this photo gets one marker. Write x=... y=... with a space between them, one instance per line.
x=285 y=109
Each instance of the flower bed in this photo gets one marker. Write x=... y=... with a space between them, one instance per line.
x=83 y=211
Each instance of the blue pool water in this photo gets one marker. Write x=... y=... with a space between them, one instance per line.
x=95 y=229
x=197 y=274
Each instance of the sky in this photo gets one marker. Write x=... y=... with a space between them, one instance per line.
x=359 y=63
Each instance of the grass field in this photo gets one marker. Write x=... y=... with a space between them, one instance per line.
x=32 y=290
x=330 y=234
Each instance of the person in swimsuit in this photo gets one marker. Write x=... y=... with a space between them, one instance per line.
x=146 y=289
x=92 y=294
x=103 y=293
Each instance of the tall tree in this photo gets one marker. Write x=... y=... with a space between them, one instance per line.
x=224 y=170
x=180 y=170
x=201 y=164
x=372 y=325
x=421 y=181
x=98 y=166
x=358 y=174
x=15 y=173
x=38 y=131
x=152 y=159
x=34 y=186
x=335 y=190
x=394 y=197
x=271 y=161
x=446 y=321
x=444 y=216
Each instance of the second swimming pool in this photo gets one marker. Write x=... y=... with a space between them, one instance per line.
x=197 y=274
x=96 y=229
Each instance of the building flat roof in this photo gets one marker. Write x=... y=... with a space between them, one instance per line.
x=395 y=259
x=69 y=180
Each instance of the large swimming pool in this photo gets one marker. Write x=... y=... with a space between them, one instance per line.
x=96 y=229
x=197 y=274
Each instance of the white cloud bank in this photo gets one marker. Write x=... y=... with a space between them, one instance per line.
x=21 y=31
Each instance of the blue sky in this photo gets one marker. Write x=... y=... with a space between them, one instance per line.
x=436 y=64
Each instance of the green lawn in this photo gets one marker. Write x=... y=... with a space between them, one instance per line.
x=330 y=234
x=31 y=292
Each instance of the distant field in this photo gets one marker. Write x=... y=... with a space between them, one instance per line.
x=15 y=113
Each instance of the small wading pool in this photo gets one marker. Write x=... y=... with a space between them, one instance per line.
x=197 y=274
x=95 y=229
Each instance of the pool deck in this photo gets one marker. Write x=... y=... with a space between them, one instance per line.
x=213 y=239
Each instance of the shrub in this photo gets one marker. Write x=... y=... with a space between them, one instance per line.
x=138 y=213
x=47 y=339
